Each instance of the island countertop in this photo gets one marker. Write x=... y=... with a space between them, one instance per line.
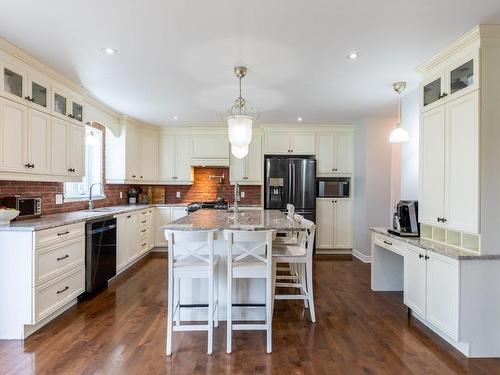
x=251 y=220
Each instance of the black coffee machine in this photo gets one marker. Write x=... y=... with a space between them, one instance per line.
x=405 y=219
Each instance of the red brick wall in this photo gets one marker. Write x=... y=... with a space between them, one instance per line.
x=204 y=189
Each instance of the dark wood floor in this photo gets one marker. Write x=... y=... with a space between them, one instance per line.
x=122 y=331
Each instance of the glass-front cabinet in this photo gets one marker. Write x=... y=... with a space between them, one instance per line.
x=13 y=83
x=463 y=77
x=38 y=92
x=77 y=110
x=432 y=92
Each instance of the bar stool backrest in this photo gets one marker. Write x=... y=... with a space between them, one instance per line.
x=290 y=210
x=249 y=245
x=307 y=239
x=190 y=245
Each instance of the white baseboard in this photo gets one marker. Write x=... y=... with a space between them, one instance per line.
x=333 y=251
x=362 y=257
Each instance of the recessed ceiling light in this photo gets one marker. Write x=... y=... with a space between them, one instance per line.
x=299 y=119
x=109 y=51
x=176 y=117
x=353 y=55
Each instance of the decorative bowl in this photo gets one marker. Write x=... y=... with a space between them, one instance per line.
x=7 y=215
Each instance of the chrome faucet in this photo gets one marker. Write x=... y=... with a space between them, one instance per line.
x=236 y=197
x=91 y=202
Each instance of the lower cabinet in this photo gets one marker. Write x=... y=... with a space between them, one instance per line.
x=431 y=288
x=334 y=223
x=127 y=239
x=165 y=215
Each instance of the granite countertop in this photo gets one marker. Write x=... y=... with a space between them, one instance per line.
x=56 y=220
x=252 y=220
x=438 y=248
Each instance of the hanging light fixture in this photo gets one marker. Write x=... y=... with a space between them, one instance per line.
x=240 y=120
x=399 y=134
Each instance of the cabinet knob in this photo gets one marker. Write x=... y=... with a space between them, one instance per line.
x=27 y=165
x=133 y=176
x=442 y=95
x=141 y=176
x=420 y=256
x=427 y=257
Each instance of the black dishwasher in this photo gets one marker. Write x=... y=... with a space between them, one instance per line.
x=100 y=253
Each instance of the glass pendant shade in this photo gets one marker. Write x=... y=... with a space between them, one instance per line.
x=240 y=130
x=239 y=152
x=399 y=135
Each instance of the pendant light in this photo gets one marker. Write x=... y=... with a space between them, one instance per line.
x=399 y=134
x=240 y=120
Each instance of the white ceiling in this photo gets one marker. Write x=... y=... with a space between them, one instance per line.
x=175 y=58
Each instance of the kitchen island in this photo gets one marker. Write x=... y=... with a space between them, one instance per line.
x=245 y=291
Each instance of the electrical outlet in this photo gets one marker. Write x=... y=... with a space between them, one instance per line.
x=242 y=194
x=178 y=194
x=59 y=199
x=121 y=194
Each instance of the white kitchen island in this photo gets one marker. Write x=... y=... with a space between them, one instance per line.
x=245 y=291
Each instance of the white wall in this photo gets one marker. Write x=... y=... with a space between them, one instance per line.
x=410 y=115
x=372 y=179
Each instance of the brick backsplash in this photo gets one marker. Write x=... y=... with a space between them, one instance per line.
x=201 y=190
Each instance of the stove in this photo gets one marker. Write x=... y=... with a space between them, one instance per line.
x=220 y=204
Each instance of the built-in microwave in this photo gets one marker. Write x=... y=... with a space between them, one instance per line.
x=333 y=187
x=28 y=207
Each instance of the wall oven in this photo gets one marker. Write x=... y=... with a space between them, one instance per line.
x=333 y=187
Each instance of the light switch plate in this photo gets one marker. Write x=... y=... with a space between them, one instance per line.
x=242 y=194
x=178 y=194
x=121 y=194
x=59 y=199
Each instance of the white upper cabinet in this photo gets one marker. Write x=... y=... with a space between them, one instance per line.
x=462 y=163
x=14 y=77
x=210 y=149
x=76 y=152
x=335 y=152
x=149 y=156
x=38 y=92
x=175 y=159
x=132 y=153
x=432 y=166
x=67 y=104
x=13 y=148
x=248 y=171
x=303 y=143
x=60 y=149
x=38 y=141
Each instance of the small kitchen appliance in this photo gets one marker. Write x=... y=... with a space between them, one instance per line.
x=28 y=207
x=405 y=219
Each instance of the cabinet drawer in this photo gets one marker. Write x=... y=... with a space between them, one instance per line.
x=50 y=296
x=53 y=260
x=143 y=244
x=58 y=234
x=389 y=244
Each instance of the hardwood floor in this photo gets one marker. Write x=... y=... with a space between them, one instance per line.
x=122 y=331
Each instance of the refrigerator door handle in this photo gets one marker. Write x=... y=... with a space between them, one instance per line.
x=290 y=183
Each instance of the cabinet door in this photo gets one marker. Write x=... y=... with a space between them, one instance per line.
x=238 y=169
x=59 y=147
x=277 y=143
x=13 y=137
x=442 y=293
x=210 y=146
x=122 y=246
x=76 y=152
x=14 y=83
x=76 y=108
x=342 y=224
x=162 y=217
x=254 y=161
x=149 y=157
x=38 y=133
x=132 y=155
x=183 y=169
x=133 y=236
x=324 y=223
x=178 y=212
x=463 y=77
x=326 y=153
x=415 y=280
x=39 y=92
x=344 y=152
x=60 y=103
x=432 y=161
x=166 y=152
x=303 y=144
x=432 y=90
x=462 y=166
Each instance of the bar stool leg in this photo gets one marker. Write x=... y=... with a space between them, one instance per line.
x=269 y=312
x=178 y=302
x=310 y=290
x=210 y=322
x=170 y=323
x=229 y=304
x=216 y=293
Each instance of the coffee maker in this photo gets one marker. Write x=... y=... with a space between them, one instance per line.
x=405 y=219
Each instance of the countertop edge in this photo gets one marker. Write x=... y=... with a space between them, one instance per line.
x=445 y=250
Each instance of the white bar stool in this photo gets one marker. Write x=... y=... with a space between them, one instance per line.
x=300 y=258
x=249 y=256
x=293 y=239
x=190 y=256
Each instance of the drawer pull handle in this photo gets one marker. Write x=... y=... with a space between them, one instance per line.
x=63 y=290
x=143 y=222
x=144 y=244
x=129 y=216
x=388 y=243
x=64 y=257
x=144 y=213
x=63 y=233
x=142 y=231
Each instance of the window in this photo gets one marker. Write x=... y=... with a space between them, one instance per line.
x=93 y=168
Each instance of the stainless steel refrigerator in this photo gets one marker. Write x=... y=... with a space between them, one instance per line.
x=291 y=180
